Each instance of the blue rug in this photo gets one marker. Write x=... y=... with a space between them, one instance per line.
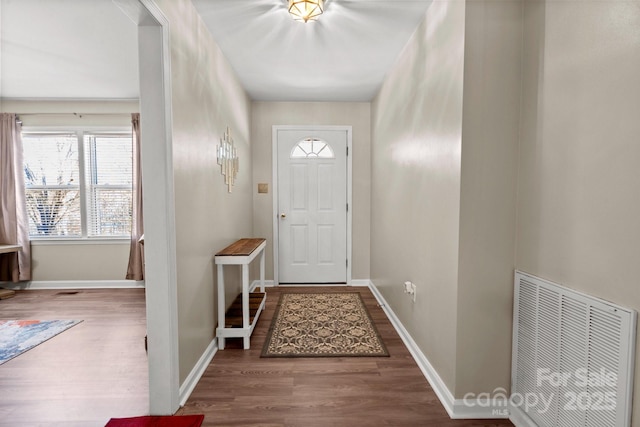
x=18 y=336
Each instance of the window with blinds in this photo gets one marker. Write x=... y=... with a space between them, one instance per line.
x=52 y=184
x=108 y=176
x=78 y=184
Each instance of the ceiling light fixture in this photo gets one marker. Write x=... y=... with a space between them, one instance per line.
x=306 y=10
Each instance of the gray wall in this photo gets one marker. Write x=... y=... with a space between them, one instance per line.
x=356 y=114
x=415 y=202
x=445 y=132
x=490 y=126
x=579 y=181
x=206 y=98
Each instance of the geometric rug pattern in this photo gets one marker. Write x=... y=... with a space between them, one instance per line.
x=322 y=325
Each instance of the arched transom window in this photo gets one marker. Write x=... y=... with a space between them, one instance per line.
x=312 y=148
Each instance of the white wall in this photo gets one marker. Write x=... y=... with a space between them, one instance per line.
x=579 y=181
x=356 y=114
x=206 y=99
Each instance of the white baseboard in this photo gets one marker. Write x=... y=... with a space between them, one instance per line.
x=520 y=419
x=198 y=370
x=477 y=409
x=360 y=282
x=200 y=367
x=74 y=284
x=441 y=390
x=456 y=408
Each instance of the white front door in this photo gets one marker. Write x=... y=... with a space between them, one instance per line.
x=312 y=206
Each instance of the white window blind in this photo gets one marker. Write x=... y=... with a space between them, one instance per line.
x=52 y=184
x=78 y=184
x=108 y=174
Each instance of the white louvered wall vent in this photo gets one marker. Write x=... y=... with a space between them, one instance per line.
x=572 y=359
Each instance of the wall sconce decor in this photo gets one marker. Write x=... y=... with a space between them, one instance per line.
x=228 y=159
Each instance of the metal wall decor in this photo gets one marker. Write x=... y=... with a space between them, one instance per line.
x=228 y=159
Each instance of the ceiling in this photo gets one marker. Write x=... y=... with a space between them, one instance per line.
x=67 y=49
x=343 y=56
x=86 y=49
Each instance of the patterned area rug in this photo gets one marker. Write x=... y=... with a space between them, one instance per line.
x=322 y=325
x=18 y=336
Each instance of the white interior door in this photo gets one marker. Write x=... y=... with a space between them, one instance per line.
x=312 y=206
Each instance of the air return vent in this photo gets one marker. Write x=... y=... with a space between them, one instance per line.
x=572 y=359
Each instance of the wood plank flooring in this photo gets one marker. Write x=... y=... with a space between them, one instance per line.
x=98 y=370
x=86 y=375
x=241 y=389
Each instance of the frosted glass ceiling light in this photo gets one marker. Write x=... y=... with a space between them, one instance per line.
x=306 y=10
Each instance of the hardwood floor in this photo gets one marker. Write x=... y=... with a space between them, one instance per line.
x=241 y=389
x=98 y=370
x=86 y=375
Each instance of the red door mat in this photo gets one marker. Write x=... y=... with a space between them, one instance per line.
x=158 y=421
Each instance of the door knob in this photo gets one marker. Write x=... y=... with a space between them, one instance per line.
x=283 y=215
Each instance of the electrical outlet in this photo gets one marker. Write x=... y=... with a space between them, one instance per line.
x=410 y=288
x=407 y=287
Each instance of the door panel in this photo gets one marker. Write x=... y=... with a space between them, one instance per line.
x=300 y=244
x=312 y=206
x=325 y=244
x=298 y=188
x=325 y=188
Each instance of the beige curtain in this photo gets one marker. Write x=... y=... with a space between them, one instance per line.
x=14 y=221
x=135 y=271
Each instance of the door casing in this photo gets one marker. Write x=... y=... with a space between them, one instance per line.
x=274 y=180
x=161 y=283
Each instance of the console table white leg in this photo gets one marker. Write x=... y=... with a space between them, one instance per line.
x=245 y=304
x=262 y=272
x=221 y=306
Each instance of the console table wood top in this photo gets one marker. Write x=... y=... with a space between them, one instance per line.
x=242 y=247
x=9 y=248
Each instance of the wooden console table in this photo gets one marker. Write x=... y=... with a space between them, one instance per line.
x=241 y=253
x=5 y=249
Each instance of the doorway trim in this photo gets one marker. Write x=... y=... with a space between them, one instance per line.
x=154 y=62
x=274 y=181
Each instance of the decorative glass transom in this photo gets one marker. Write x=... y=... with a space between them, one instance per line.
x=312 y=148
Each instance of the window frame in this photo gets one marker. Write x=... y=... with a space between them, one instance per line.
x=313 y=155
x=79 y=132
